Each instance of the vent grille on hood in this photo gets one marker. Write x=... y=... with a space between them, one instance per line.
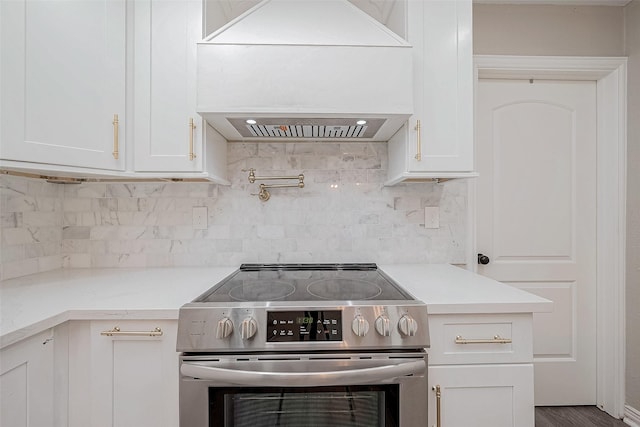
x=307 y=128
x=311 y=67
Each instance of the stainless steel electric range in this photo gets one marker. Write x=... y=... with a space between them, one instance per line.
x=303 y=345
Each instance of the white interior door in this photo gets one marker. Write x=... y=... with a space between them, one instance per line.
x=536 y=219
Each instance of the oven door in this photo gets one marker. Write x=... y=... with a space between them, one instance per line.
x=320 y=390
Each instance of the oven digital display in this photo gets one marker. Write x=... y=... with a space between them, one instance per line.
x=296 y=326
x=304 y=320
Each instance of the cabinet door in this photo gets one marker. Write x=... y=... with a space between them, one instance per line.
x=442 y=144
x=166 y=37
x=134 y=378
x=63 y=82
x=482 y=395
x=27 y=382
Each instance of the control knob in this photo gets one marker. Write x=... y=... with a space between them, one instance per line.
x=407 y=326
x=360 y=326
x=225 y=328
x=383 y=325
x=248 y=328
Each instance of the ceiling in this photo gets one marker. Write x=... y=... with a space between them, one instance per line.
x=559 y=2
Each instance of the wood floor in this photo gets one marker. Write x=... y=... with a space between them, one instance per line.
x=578 y=416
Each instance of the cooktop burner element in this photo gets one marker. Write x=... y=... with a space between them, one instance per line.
x=345 y=289
x=303 y=307
x=262 y=290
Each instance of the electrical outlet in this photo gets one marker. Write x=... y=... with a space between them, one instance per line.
x=432 y=217
x=200 y=218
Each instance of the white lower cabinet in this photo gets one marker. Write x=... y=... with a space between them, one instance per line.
x=482 y=395
x=481 y=370
x=27 y=382
x=127 y=379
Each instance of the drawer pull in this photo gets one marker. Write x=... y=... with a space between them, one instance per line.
x=495 y=340
x=157 y=332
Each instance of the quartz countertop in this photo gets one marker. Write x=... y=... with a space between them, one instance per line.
x=452 y=290
x=31 y=304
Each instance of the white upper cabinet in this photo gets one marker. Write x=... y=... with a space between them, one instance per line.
x=63 y=78
x=437 y=141
x=78 y=77
x=169 y=135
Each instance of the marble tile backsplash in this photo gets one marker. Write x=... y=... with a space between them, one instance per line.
x=31 y=226
x=343 y=214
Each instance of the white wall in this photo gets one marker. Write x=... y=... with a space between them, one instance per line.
x=548 y=30
x=632 y=33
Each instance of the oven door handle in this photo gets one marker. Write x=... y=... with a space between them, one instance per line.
x=301 y=379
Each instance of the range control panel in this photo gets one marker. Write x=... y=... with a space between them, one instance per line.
x=296 y=326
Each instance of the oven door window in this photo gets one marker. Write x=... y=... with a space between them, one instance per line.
x=347 y=406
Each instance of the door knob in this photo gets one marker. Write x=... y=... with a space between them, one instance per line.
x=483 y=259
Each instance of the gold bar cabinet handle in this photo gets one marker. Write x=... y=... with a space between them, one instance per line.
x=192 y=128
x=418 y=156
x=157 y=332
x=116 y=131
x=497 y=339
x=438 y=402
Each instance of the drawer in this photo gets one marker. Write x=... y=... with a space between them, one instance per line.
x=480 y=338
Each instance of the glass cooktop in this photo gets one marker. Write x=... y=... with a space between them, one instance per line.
x=305 y=282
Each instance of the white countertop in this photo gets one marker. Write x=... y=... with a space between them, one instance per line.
x=452 y=290
x=31 y=304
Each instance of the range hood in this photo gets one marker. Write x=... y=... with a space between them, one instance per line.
x=305 y=70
